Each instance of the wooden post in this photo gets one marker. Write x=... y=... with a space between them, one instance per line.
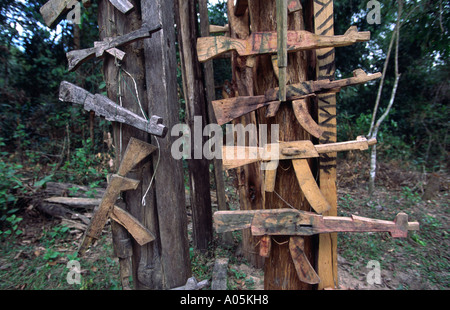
x=170 y=210
x=208 y=71
x=327 y=267
x=195 y=98
x=151 y=63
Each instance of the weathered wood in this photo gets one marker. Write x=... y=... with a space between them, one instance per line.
x=196 y=102
x=103 y=106
x=139 y=232
x=231 y=108
x=123 y=6
x=116 y=53
x=300 y=108
x=75 y=202
x=53 y=10
x=249 y=178
x=236 y=156
x=163 y=264
x=327 y=266
x=282 y=52
x=305 y=271
x=266 y=43
x=309 y=186
x=292 y=222
x=77 y=57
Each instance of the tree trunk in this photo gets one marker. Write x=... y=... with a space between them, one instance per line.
x=254 y=77
x=195 y=97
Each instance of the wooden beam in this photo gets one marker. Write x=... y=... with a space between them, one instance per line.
x=230 y=108
x=305 y=271
x=266 y=43
x=77 y=57
x=103 y=106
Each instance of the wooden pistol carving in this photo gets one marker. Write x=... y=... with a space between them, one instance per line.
x=105 y=107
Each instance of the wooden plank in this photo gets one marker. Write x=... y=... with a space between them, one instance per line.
x=266 y=43
x=139 y=232
x=230 y=108
x=305 y=271
x=53 y=10
x=309 y=186
x=103 y=106
x=233 y=220
x=303 y=116
x=75 y=201
x=124 y=6
x=116 y=53
x=77 y=57
x=265 y=244
x=165 y=263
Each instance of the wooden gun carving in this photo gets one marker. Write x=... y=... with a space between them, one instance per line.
x=105 y=107
x=77 y=57
x=266 y=43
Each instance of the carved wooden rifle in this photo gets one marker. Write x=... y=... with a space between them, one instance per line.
x=105 y=107
x=266 y=43
x=77 y=57
x=294 y=223
x=228 y=109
